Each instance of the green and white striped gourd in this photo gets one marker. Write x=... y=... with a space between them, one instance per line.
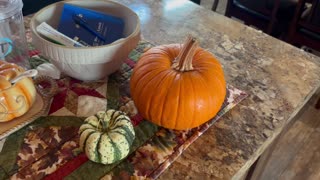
x=106 y=137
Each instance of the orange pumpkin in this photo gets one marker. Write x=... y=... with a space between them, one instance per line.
x=178 y=86
x=15 y=99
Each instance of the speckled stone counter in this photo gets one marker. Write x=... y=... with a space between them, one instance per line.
x=278 y=77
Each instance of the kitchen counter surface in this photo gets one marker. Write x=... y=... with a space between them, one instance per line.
x=278 y=77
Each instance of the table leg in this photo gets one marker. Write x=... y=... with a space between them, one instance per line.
x=215 y=5
x=318 y=104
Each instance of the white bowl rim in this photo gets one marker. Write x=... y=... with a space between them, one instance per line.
x=32 y=24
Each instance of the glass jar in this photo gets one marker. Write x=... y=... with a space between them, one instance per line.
x=13 y=44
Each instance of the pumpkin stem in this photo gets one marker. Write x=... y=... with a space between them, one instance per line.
x=183 y=62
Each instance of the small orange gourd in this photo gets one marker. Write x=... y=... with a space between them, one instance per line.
x=15 y=99
x=178 y=86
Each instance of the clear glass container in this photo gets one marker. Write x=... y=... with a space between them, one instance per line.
x=13 y=44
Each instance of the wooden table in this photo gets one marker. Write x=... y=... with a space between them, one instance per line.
x=279 y=78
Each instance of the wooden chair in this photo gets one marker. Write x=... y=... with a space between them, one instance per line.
x=264 y=16
x=305 y=30
x=196 y=1
x=214 y=6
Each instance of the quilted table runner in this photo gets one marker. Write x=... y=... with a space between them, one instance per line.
x=48 y=148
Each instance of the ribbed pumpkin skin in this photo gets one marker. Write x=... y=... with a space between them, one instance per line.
x=16 y=99
x=174 y=99
x=106 y=137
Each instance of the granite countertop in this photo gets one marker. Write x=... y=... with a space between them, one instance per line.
x=278 y=77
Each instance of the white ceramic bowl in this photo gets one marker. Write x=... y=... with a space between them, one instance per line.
x=87 y=63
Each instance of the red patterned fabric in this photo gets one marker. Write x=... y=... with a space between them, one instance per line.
x=67 y=168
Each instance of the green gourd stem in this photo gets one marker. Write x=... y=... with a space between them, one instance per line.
x=184 y=59
x=102 y=126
